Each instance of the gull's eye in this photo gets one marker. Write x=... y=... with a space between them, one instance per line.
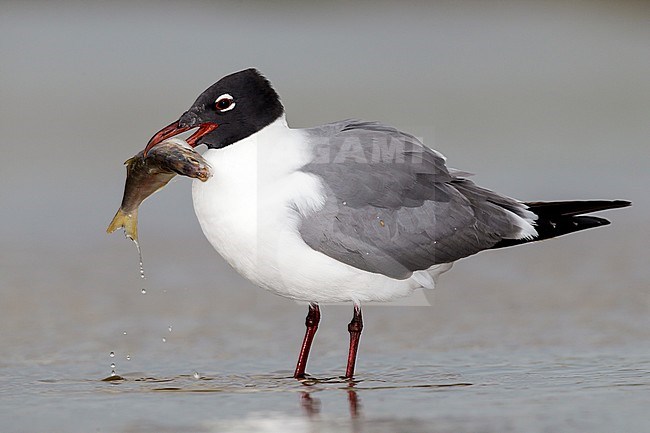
x=224 y=103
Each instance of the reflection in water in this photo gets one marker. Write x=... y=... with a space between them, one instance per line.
x=312 y=406
x=353 y=403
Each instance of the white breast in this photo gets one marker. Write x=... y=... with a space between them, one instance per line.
x=250 y=208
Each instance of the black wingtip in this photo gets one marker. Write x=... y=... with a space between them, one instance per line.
x=587 y=222
x=573 y=207
x=563 y=217
x=621 y=203
x=615 y=204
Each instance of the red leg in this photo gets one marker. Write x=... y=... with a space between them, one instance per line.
x=311 y=322
x=355 y=327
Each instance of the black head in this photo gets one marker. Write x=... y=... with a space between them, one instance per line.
x=236 y=106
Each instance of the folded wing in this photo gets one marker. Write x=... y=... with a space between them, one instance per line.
x=393 y=207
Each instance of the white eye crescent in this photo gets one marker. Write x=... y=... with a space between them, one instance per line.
x=224 y=103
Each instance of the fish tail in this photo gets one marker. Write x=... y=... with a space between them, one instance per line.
x=128 y=221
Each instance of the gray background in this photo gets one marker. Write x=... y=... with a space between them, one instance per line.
x=543 y=100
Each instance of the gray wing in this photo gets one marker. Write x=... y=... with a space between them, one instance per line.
x=392 y=205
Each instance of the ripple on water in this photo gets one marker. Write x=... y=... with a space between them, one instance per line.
x=282 y=381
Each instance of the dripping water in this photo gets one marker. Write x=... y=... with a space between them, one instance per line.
x=137 y=245
x=113 y=373
x=142 y=276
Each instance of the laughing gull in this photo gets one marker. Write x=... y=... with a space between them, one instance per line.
x=350 y=211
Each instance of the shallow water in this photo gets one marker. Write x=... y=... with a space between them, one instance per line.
x=543 y=100
x=466 y=391
x=505 y=350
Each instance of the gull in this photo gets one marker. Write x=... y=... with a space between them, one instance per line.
x=349 y=211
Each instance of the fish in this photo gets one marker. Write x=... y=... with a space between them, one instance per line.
x=146 y=175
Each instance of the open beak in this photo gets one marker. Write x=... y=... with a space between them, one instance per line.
x=173 y=129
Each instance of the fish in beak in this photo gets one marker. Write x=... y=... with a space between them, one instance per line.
x=175 y=128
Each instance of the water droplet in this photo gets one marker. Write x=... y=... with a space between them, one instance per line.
x=128 y=357
x=113 y=365
x=196 y=375
x=164 y=340
x=345 y=203
x=170 y=328
x=137 y=245
x=112 y=354
x=143 y=291
x=113 y=373
x=124 y=333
